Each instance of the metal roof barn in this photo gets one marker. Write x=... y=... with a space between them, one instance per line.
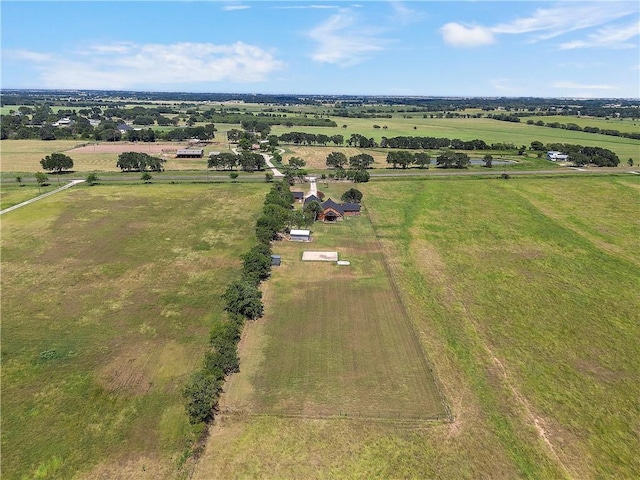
x=300 y=235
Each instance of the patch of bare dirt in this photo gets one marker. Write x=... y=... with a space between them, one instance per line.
x=128 y=372
x=168 y=148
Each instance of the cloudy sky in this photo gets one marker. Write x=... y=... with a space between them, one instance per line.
x=466 y=48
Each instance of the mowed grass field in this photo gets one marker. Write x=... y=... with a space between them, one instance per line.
x=336 y=339
x=523 y=293
x=489 y=130
x=108 y=295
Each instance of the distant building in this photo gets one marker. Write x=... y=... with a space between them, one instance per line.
x=63 y=122
x=298 y=196
x=556 y=156
x=190 y=153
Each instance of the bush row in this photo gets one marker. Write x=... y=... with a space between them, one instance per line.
x=243 y=301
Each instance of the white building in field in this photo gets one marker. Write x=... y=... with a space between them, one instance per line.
x=556 y=156
x=300 y=235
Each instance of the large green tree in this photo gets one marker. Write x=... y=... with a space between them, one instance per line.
x=336 y=160
x=353 y=195
x=243 y=298
x=56 y=162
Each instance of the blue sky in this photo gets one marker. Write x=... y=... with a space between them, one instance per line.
x=431 y=48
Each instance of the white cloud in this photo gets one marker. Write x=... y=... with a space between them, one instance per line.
x=403 y=14
x=547 y=23
x=609 y=36
x=231 y=8
x=342 y=42
x=127 y=65
x=459 y=35
x=27 y=55
x=551 y=22
x=580 y=86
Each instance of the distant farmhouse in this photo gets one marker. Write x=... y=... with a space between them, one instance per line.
x=556 y=156
x=332 y=211
x=190 y=153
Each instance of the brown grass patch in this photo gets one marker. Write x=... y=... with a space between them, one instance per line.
x=316 y=157
x=140 y=468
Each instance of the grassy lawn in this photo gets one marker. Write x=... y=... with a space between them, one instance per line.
x=108 y=294
x=521 y=292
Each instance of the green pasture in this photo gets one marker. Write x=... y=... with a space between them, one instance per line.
x=489 y=130
x=337 y=339
x=625 y=125
x=522 y=293
x=108 y=294
x=530 y=285
x=12 y=194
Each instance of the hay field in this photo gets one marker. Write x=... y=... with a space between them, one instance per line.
x=108 y=294
x=335 y=336
x=525 y=303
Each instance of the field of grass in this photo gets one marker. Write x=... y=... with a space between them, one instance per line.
x=25 y=155
x=108 y=294
x=626 y=125
x=14 y=193
x=316 y=158
x=522 y=293
x=532 y=294
x=489 y=130
x=337 y=335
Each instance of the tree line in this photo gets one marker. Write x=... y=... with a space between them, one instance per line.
x=247 y=161
x=242 y=302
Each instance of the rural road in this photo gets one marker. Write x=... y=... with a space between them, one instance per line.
x=40 y=197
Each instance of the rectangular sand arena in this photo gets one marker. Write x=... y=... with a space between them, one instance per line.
x=319 y=256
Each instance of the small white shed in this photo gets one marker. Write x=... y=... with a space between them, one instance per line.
x=300 y=235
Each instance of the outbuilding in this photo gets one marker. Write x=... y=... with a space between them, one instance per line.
x=300 y=235
x=190 y=153
x=276 y=260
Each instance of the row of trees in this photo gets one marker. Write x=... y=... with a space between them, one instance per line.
x=247 y=161
x=139 y=162
x=405 y=159
x=242 y=301
x=358 y=165
x=301 y=138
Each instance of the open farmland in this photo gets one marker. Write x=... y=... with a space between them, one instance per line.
x=25 y=155
x=108 y=294
x=525 y=304
x=335 y=335
x=489 y=130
